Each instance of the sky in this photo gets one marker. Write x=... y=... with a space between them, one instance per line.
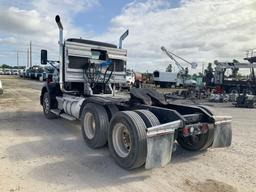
x=198 y=30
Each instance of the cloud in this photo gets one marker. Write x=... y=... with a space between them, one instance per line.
x=8 y=40
x=17 y=21
x=65 y=8
x=197 y=30
x=34 y=21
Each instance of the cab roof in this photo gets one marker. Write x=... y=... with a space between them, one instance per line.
x=91 y=42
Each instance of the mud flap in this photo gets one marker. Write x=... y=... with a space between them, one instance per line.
x=222 y=132
x=160 y=144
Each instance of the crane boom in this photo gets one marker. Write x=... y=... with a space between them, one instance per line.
x=170 y=54
x=171 y=57
x=232 y=65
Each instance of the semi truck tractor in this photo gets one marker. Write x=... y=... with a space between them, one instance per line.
x=139 y=127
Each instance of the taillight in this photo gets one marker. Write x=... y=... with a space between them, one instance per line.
x=195 y=129
x=186 y=131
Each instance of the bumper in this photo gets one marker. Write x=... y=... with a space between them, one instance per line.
x=160 y=140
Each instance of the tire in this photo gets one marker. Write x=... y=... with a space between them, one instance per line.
x=111 y=110
x=233 y=90
x=46 y=107
x=148 y=117
x=94 y=125
x=127 y=140
x=196 y=142
x=249 y=91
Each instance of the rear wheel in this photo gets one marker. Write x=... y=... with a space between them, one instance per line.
x=233 y=90
x=248 y=91
x=47 y=107
x=111 y=110
x=94 y=122
x=127 y=139
x=148 y=117
x=196 y=142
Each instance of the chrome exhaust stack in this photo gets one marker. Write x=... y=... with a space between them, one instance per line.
x=121 y=39
x=61 y=44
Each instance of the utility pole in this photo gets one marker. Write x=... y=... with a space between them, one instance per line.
x=30 y=51
x=17 y=58
x=27 y=58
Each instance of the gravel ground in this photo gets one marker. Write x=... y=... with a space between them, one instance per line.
x=37 y=154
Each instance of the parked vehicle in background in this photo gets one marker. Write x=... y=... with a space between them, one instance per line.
x=15 y=72
x=134 y=79
x=47 y=72
x=7 y=71
x=1 y=72
x=182 y=77
x=34 y=72
x=22 y=72
x=147 y=78
x=170 y=79
x=226 y=76
x=166 y=79
x=138 y=79
x=39 y=72
x=190 y=82
x=130 y=78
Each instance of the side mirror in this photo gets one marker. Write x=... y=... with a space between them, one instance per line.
x=43 y=57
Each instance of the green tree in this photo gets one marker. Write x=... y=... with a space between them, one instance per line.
x=209 y=68
x=6 y=66
x=169 y=68
x=200 y=74
x=194 y=76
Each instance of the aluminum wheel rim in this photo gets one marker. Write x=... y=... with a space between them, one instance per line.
x=89 y=125
x=121 y=140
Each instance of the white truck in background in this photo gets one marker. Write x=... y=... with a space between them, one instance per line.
x=7 y=71
x=15 y=72
x=169 y=79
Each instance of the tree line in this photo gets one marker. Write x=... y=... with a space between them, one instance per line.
x=5 y=66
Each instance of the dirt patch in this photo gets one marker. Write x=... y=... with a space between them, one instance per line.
x=210 y=185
